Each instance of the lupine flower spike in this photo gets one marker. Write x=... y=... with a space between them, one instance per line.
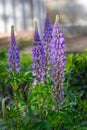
x=46 y=39
x=58 y=63
x=13 y=53
x=47 y=32
x=38 y=58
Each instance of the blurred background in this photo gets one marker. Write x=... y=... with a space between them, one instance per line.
x=22 y=13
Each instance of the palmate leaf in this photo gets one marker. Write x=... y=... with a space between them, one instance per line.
x=12 y=111
x=25 y=126
x=41 y=125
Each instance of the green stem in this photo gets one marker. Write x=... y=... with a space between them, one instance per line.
x=39 y=105
x=17 y=107
x=16 y=104
x=3 y=109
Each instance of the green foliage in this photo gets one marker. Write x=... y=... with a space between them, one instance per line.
x=25 y=61
x=24 y=43
x=29 y=107
x=76 y=75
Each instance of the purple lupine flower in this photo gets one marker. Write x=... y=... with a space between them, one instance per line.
x=36 y=35
x=58 y=63
x=47 y=32
x=38 y=58
x=13 y=54
x=46 y=39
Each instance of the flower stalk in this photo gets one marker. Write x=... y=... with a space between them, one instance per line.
x=13 y=53
x=46 y=39
x=38 y=58
x=58 y=63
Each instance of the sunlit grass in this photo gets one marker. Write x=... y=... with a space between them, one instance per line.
x=25 y=59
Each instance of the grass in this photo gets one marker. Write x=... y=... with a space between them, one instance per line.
x=24 y=43
x=25 y=59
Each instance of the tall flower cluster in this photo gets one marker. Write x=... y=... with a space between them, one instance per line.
x=38 y=58
x=46 y=39
x=58 y=63
x=47 y=32
x=13 y=54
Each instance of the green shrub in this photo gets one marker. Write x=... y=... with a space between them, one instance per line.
x=76 y=69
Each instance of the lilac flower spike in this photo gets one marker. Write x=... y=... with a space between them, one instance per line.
x=38 y=58
x=58 y=63
x=13 y=54
x=46 y=39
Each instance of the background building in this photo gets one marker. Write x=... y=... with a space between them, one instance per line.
x=22 y=13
